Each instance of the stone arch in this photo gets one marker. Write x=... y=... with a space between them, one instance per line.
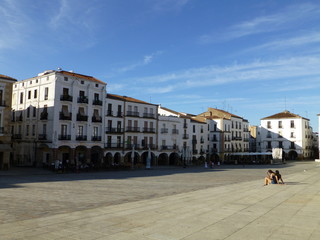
x=128 y=158
x=80 y=155
x=174 y=159
x=163 y=159
x=144 y=156
x=108 y=160
x=292 y=155
x=117 y=158
x=44 y=155
x=96 y=157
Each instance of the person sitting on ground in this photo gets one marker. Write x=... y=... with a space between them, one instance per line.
x=279 y=177
x=270 y=178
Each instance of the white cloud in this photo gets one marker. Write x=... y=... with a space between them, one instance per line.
x=288 y=18
x=146 y=60
x=14 y=24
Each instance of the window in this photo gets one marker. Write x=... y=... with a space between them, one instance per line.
x=280 y=124
x=64 y=129
x=21 y=97
x=292 y=135
x=95 y=131
x=27 y=130
x=66 y=78
x=80 y=131
x=46 y=93
x=34 y=112
x=194 y=128
x=35 y=93
x=280 y=145
x=96 y=96
x=29 y=94
x=33 y=130
x=269 y=145
x=97 y=85
x=292 y=123
x=28 y=111
x=269 y=124
x=65 y=92
x=82 y=82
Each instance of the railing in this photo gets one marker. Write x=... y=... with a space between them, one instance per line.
x=175 y=131
x=149 y=130
x=113 y=145
x=96 y=119
x=3 y=104
x=147 y=146
x=119 y=114
x=65 y=116
x=44 y=116
x=132 y=114
x=65 y=97
x=167 y=147
x=132 y=129
x=164 y=130
x=114 y=130
x=185 y=125
x=82 y=117
x=148 y=115
x=64 y=137
x=17 y=136
x=109 y=113
x=185 y=136
x=131 y=145
x=19 y=119
x=96 y=138
x=201 y=140
x=97 y=102
x=83 y=99
x=42 y=137
x=81 y=138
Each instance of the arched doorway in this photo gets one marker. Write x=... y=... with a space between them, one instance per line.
x=117 y=159
x=80 y=155
x=96 y=157
x=163 y=159
x=44 y=155
x=292 y=155
x=128 y=158
x=174 y=159
x=144 y=157
x=108 y=160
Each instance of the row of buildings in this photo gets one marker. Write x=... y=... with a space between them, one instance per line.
x=70 y=117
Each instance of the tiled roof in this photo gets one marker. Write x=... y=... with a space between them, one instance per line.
x=127 y=99
x=284 y=114
x=7 y=78
x=90 y=78
x=218 y=113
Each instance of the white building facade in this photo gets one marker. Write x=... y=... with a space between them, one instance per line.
x=288 y=131
x=57 y=115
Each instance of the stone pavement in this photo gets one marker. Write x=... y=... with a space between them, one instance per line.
x=243 y=210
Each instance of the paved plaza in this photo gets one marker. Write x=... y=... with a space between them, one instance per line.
x=168 y=203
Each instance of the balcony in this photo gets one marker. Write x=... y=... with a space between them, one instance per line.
x=132 y=114
x=42 y=137
x=175 y=131
x=119 y=114
x=17 y=136
x=96 y=138
x=194 y=141
x=44 y=115
x=201 y=140
x=185 y=125
x=168 y=148
x=66 y=97
x=164 y=130
x=19 y=119
x=3 y=104
x=132 y=129
x=64 y=137
x=96 y=119
x=237 y=138
x=113 y=145
x=114 y=130
x=185 y=136
x=83 y=118
x=147 y=146
x=149 y=130
x=81 y=138
x=82 y=99
x=65 y=116
x=97 y=102
x=149 y=115
x=109 y=113
x=130 y=146
x=194 y=151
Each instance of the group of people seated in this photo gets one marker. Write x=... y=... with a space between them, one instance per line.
x=273 y=178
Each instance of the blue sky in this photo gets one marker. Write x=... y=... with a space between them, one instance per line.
x=251 y=58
